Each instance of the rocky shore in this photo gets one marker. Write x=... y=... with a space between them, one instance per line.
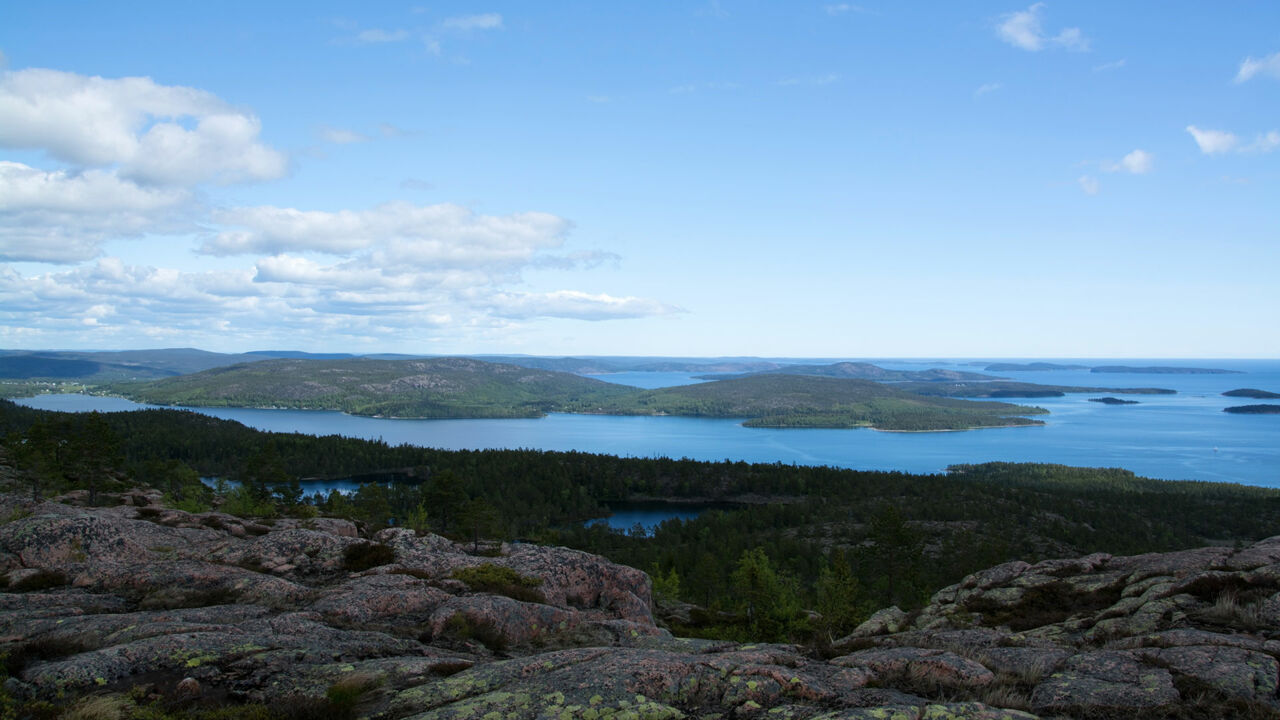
x=117 y=610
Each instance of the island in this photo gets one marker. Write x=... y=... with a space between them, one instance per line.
x=469 y=388
x=1009 y=389
x=1253 y=410
x=1031 y=367
x=864 y=371
x=1252 y=393
x=1113 y=401
x=1163 y=370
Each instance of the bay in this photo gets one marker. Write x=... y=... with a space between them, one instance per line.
x=1176 y=437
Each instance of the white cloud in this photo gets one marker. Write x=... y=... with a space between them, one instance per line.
x=1108 y=66
x=1025 y=29
x=1217 y=142
x=61 y=216
x=1138 y=162
x=485 y=21
x=439 y=235
x=1251 y=67
x=576 y=305
x=339 y=136
x=1213 y=142
x=376 y=36
x=1088 y=184
x=987 y=88
x=1265 y=142
x=150 y=133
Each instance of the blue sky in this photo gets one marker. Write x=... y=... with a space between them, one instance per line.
x=1083 y=179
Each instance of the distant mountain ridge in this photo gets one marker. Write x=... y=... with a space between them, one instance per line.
x=868 y=371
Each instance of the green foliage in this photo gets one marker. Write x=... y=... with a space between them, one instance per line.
x=666 y=587
x=839 y=598
x=244 y=502
x=499 y=580
x=767 y=600
x=478 y=518
x=363 y=556
x=459 y=627
x=346 y=692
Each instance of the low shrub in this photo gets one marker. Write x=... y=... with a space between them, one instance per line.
x=40 y=580
x=501 y=580
x=367 y=555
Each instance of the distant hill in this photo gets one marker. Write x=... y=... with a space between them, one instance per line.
x=1030 y=367
x=1252 y=393
x=600 y=366
x=1162 y=370
x=773 y=400
x=423 y=388
x=1009 y=389
x=867 y=371
x=465 y=387
x=72 y=366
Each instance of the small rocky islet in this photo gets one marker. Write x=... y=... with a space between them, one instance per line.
x=133 y=609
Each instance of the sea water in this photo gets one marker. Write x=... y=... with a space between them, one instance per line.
x=1177 y=437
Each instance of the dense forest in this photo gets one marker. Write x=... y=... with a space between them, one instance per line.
x=842 y=542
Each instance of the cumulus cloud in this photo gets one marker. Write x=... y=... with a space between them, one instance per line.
x=1218 y=142
x=61 y=216
x=1138 y=162
x=1088 y=184
x=149 y=133
x=438 y=235
x=484 y=21
x=1252 y=67
x=1025 y=29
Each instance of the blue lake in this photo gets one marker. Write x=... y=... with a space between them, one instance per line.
x=1179 y=437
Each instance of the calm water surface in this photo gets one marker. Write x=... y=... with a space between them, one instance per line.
x=1177 y=437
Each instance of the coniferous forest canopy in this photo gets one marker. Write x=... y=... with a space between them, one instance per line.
x=841 y=541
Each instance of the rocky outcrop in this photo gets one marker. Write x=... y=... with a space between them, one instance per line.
x=197 y=606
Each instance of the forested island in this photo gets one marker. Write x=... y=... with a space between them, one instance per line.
x=1031 y=367
x=1252 y=393
x=1262 y=409
x=866 y=371
x=467 y=388
x=1011 y=389
x=1113 y=401
x=1162 y=370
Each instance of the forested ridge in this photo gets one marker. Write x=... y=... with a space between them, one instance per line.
x=841 y=541
x=468 y=388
